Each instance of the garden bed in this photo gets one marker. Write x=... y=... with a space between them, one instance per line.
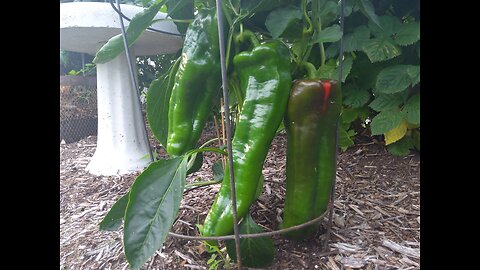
x=376 y=220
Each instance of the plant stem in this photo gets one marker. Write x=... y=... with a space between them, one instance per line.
x=317 y=24
x=311 y=70
x=307 y=19
x=247 y=34
x=201 y=184
x=206 y=149
x=208 y=142
x=172 y=20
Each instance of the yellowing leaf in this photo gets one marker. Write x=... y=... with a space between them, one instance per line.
x=396 y=133
x=412 y=126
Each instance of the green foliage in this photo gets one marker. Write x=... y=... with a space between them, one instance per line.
x=154 y=200
x=385 y=121
x=255 y=252
x=395 y=79
x=217 y=258
x=281 y=18
x=217 y=170
x=381 y=94
x=158 y=97
x=180 y=10
x=329 y=34
x=114 y=217
x=138 y=24
x=383 y=40
x=401 y=147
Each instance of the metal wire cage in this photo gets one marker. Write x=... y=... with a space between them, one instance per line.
x=78 y=108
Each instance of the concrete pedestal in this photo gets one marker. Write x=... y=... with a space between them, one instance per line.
x=121 y=143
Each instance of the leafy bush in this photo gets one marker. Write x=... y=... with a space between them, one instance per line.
x=382 y=89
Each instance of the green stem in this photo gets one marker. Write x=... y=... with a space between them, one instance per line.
x=233 y=8
x=172 y=20
x=311 y=70
x=204 y=183
x=247 y=34
x=307 y=19
x=318 y=28
x=206 y=149
x=208 y=142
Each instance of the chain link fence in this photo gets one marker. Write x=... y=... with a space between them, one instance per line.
x=78 y=108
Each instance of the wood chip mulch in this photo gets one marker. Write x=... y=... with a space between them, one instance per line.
x=376 y=221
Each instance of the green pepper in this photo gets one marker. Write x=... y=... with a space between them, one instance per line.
x=311 y=123
x=264 y=75
x=197 y=83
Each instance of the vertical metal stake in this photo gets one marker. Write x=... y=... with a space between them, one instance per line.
x=332 y=194
x=133 y=79
x=221 y=39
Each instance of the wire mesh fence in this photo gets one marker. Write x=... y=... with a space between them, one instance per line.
x=78 y=108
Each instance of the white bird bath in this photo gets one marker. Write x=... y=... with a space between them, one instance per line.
x=121 y=142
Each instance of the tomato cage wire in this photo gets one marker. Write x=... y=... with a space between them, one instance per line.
x=237 y=236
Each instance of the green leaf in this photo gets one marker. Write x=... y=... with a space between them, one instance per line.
x=354 y=41
x=153 y=205
x=390 y=25
x=354 y=96
x=408 y=34
x=381 y=49
x=396 y=133
x=385 y=121
x=255 y=252
x=195 y=162
x=348 y=8
x=351 y=114
x=412 y=109
x=113 y=219
x=157 y=105
x=414 y=74
x=346 y=67
x=365 y=72
x=344 y=140
x=329 y=34
x=367 y=8
x=401 y=147
x=393 y=79
x=279 y=19
x=332 y=50
x=329 y=70
x=137 y=25
x=180 y=10
x=217 y=170
x=386 y=102
x=329 y=11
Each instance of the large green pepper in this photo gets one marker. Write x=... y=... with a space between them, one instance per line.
x=197 y=83
x=311 y=124
x=264 y=75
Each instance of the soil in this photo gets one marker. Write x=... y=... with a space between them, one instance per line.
x=376 y=220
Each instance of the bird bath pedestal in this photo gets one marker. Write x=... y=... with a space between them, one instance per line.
x=122 y=145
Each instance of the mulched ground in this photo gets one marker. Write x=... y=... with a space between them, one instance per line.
x=376 y=218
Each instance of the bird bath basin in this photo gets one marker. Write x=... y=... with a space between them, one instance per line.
x=122 y=145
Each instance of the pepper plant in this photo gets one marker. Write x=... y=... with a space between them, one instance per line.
x=270 y=44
